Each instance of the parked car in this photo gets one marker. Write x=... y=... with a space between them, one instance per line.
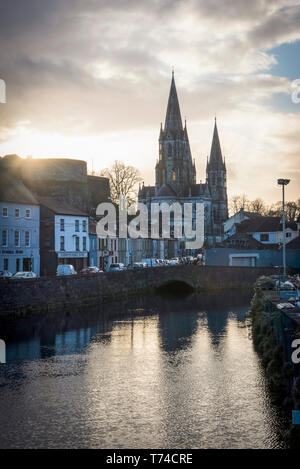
x=5 y=274
x=138 y=265
x=19 y=275
x=175 y=260
x=116 y=267
x=90 y=270
x=65 y=269
x=150 y=262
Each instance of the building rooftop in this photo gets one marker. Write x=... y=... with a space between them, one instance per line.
x=60 y=207
x=14 y=191
x=294 y=244
x=263 y=224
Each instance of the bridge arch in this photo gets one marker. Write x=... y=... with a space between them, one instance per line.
x=177 y=287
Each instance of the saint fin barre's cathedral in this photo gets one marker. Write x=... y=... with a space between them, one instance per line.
x=175 y=173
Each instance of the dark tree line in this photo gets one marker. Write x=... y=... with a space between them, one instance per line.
x=237 y=202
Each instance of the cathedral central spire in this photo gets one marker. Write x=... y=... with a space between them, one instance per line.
x=173 y=117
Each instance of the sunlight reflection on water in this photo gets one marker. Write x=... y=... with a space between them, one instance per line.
x=163 y=374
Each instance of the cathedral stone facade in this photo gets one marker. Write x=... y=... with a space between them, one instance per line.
x=175 y=173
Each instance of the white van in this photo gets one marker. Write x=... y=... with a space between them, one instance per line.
x=65 y=269
x=149 y=262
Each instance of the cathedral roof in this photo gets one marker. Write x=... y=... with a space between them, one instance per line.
x=195 y=190
x=166 y=191
x=173 y=120
x=146 y=191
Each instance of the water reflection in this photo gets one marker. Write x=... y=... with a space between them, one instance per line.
x=154 y=372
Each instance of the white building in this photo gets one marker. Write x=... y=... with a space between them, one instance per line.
x=64 y=236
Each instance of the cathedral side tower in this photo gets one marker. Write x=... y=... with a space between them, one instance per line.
x=217 y=183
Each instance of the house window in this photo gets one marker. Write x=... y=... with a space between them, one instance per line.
x=17 y=212
x=62 y=224
x=17 y=238
x=18 y=265
x=83 y=225
x=76 y=225
x=5 y=264
x=27 y=239
x=4 y=212
x=4 y=239
x=84 y=243
x=264 y=236
x=288 y=234
x=77 y=243
x=62 y=243
x=27 y=213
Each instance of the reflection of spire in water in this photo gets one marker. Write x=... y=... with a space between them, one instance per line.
x=176 y=328
x=217 y=324
x=238 y=313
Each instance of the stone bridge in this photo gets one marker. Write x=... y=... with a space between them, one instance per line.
x=46 y=294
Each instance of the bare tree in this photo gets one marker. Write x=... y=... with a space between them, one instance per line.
x=274 y=210
x=291 y=211
x=257 y=206
x=238 y=202
x=123 y=181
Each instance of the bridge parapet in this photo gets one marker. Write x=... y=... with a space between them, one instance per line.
x=50 y=293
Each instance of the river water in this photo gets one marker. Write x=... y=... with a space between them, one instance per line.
x=151 y=373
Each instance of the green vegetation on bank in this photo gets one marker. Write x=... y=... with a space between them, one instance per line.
x=284 y=385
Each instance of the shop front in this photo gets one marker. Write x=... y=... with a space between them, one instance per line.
x=78 y=259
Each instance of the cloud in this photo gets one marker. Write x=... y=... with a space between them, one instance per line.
x=99 y=67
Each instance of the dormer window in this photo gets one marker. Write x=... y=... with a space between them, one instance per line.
x=264 y=237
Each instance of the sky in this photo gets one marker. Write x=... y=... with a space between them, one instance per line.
x=89 y=79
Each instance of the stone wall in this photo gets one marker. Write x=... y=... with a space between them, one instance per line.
x=56 y=293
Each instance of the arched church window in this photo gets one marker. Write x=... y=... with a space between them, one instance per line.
x=174 y=175
x=169 y=150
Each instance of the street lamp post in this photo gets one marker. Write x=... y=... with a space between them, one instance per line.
x=283 y=182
